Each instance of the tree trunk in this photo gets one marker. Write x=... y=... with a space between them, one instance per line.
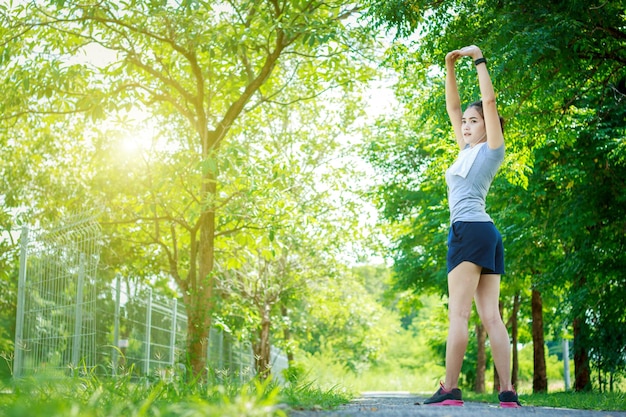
x=198 y=325
x=481 y=359
x=514 y=339
x=582 y=373
x=540 y=379
x=262 y=345
x=200 y=285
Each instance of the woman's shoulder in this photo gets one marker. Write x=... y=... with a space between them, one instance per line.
x=499 y=149
x=496 y=153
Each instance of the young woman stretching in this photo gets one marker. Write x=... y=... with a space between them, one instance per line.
x=475 y=250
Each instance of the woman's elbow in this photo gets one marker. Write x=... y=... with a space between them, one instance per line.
x=489 y=100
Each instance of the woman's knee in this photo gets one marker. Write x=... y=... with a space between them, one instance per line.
x=492 y=322
x=459 y=314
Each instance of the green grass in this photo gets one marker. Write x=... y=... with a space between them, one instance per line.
x=93 y=396
x=606 y=401
x=310 y=397
x=107 y=397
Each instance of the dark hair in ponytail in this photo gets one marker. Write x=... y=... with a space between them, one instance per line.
x=479 y=106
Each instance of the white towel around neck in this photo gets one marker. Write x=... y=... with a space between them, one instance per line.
x=464 y=162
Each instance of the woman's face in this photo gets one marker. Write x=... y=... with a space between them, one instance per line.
x=473 y=127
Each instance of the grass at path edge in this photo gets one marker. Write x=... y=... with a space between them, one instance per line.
x=605 y=401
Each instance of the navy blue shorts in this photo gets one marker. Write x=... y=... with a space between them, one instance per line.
x=476 y=242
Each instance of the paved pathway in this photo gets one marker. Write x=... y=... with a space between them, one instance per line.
x=403 y=405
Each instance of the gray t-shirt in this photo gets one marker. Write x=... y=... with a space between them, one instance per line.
x=467 y=190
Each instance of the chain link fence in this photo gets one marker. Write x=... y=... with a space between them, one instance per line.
x=68 y=322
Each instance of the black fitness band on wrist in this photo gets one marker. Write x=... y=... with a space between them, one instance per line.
x=480 y=61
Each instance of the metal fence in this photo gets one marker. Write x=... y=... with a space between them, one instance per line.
x=142 y=333
x=56 y=308
x=149 y=334
x=69 y=322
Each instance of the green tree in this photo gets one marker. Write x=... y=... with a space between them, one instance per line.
x=559 y=73
x=195 y=68
x=291 y=215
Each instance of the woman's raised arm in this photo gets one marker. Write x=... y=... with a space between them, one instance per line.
x=495 y=137
x=453 y=100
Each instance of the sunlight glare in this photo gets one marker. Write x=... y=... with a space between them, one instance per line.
x=138 y=141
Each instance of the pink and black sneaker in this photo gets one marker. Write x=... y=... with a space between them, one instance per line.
x=443 y=397
x=508 y=399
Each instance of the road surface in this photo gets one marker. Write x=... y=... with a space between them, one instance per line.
x=383 y=404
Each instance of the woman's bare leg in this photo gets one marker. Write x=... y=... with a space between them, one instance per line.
x=462 y=283
x=487 y=300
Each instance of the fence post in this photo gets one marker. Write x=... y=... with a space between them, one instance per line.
x=116 y=326
x=173 y=331
x=566 y=376
x=148 y=327
x=78 y=314
x=220 y=349
x=21 y=298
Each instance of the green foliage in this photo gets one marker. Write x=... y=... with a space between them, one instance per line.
x=342 y=318
x=174 y=117
x=558 y=70
x=406 y=360
x=413 y=197
x=400 y=14
x=554 y=367
x=95 y=397
x=224 y=107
